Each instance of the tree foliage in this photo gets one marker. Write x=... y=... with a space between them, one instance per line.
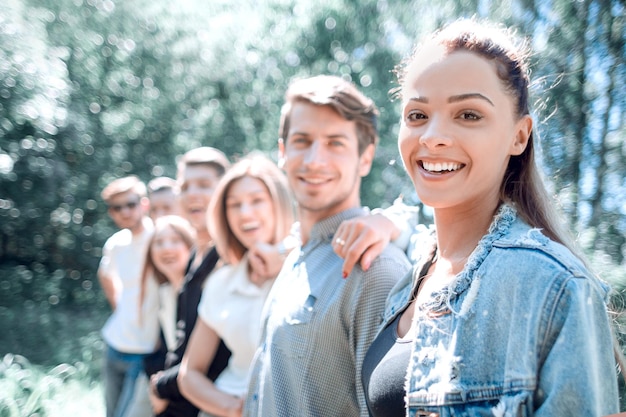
x=91 y=90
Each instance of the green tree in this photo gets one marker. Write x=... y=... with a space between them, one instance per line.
x=580 y=61
x=94 y=90
x=33 y=106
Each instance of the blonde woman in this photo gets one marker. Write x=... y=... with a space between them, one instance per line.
x=251 y=205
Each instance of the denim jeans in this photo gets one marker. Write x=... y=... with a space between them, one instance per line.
x=120 y=373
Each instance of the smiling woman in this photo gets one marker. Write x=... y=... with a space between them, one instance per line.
x=455 y=117
x=500 y=317
x=165 y=265
x=251 y=205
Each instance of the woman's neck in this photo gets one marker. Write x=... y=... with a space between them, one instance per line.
x=203 y=244
x=458 y=234
x=176 y=280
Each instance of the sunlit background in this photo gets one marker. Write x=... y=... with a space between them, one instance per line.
x=94 y=90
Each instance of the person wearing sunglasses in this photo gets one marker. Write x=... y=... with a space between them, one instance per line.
x=130 y=333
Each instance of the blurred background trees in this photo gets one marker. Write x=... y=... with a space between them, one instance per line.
x=91 y=90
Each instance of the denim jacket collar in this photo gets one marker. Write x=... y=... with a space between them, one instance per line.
x=506 y=230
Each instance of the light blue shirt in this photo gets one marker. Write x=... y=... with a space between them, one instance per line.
x=317 y=328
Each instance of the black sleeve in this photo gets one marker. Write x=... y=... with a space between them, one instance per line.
x=166 y=385
x=155 y=361
x=188 y=300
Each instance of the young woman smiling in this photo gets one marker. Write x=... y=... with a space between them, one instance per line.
x=166 y=261
x=251 y=204
x=500 y=316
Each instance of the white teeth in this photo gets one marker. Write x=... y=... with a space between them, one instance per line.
x=315 y=180
x=249 y=226
x=441 y=166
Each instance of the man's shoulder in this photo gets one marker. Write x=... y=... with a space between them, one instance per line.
x=120 y=238
x=392 y=262
x=393 y=254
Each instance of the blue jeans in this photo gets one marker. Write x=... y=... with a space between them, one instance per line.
x=120 y=375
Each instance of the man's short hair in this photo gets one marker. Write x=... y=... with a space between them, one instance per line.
x=122 y=185
x=204 y=156
x=161 y=184
x=340 y=95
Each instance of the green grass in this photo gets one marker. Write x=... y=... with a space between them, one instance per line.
x=28 y=390
x=61 y=376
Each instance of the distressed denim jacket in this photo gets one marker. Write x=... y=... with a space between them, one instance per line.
x=523 y=330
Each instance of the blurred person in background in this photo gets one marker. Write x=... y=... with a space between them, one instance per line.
x=165 y=265
x=163 y=196
x=198 y=173
x=127 y=336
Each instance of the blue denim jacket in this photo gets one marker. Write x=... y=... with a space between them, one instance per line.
x=523 y=330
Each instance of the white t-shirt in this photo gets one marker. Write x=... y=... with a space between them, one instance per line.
x=231 y=305
x=122 y=261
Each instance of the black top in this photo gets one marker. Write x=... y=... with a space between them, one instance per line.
x=385 y=366
x=384 y=372
x=186 y=316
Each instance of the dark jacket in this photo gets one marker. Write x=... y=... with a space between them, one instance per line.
x=186 y=316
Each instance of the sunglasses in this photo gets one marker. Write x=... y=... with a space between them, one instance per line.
x=130 y=205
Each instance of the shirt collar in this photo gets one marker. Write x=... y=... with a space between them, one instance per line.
x=240 y=280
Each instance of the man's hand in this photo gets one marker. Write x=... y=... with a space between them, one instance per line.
x=363 y=239
x=158 y=404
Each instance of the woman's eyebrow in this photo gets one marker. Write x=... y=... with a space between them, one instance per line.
x=467 y=96
x=455 y=98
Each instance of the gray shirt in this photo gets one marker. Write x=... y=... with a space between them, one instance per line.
x=317 y=329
